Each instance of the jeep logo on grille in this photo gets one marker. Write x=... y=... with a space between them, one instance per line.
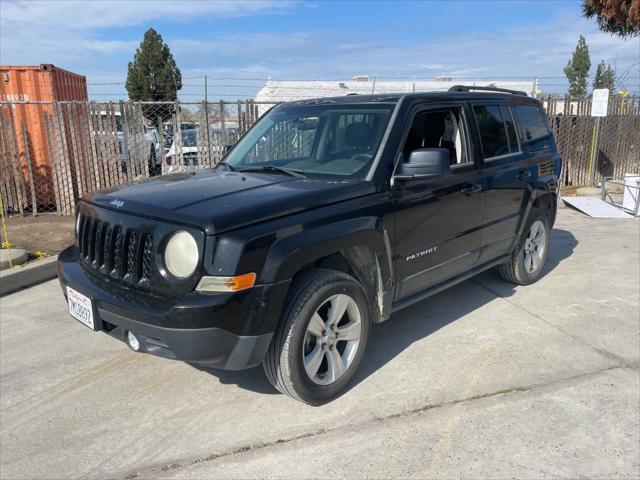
x=117 y=203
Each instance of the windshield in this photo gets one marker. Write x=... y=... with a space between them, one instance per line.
x=335 y=140
x=188 y=138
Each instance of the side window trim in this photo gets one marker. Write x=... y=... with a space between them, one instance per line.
x=515 y=128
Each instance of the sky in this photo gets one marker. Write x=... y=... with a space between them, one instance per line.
x=239 y=44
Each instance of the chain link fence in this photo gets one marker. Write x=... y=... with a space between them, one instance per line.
x=590 y=153
x=51 y=153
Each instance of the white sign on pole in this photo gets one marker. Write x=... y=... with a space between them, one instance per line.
x=599 y=102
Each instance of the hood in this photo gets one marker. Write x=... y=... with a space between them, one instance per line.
x=221 y=201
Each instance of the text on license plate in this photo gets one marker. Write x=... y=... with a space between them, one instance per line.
x=80 y=307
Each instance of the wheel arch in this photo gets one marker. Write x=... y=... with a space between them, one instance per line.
x=359 y=247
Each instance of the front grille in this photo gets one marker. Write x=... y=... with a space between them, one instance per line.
x=123 y=254
x=545 y=168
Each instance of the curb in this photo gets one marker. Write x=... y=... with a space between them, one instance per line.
x=31 y=274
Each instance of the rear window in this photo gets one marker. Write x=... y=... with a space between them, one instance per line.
x=533 y=124
x=496 y=129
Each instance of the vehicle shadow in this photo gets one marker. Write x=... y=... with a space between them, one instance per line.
x=418 y=321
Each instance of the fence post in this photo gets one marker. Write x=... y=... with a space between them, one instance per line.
x=55 y=170
x=208 y=131
x=27 y=154
x=177 y=133
x=124 y=119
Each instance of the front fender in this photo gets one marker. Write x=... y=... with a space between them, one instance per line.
x=362 y=241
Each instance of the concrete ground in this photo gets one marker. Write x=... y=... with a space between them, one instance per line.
x=485 y=380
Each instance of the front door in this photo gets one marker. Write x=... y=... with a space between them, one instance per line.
x=438 y=221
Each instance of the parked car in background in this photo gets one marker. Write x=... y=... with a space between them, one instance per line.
x=189 y=152
x=218 y=138
x=326 y=217
x=152 y=142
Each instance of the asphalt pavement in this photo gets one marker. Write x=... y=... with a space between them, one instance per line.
x=485 y=380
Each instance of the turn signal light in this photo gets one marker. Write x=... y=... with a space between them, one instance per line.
x=226 y=284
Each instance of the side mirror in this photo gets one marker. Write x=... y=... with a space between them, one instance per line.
x=425 y=163
x=226 y=148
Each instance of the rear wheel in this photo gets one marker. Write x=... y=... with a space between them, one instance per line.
x=530 y=254
x=321 y=338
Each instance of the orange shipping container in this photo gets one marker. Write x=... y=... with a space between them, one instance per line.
x=43 y=83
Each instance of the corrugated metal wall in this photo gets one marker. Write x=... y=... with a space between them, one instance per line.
x=43 y=83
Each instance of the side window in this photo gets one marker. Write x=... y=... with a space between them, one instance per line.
x=497 y=130
x=438 y=129
x=534 y=127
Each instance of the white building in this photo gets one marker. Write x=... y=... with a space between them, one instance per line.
x=288 y=90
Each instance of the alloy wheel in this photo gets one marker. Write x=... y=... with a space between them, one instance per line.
x=332 y=339
x=535 y=246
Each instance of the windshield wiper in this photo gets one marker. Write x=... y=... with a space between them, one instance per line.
x=294 y=172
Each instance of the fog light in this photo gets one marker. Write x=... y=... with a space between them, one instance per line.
x=133 y=342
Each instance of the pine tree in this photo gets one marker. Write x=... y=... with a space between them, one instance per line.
x=154 y=76
x=605 y=77
x=577 y=70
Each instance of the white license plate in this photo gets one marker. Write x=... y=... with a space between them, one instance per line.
x=80 y=307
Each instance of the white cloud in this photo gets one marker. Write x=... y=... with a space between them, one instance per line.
x=39 y=31
x=527 y=50
x=79 y=36
x=101 y=14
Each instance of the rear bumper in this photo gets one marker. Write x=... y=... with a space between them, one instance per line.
x=184 y=329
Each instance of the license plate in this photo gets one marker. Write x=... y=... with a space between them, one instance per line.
x=80 y=307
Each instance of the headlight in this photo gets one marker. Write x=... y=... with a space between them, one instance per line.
x=181 y=254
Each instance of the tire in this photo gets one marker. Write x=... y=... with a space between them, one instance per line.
x=519 y=269
x=312 y=297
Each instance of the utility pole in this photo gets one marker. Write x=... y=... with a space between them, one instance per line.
x=207 y=127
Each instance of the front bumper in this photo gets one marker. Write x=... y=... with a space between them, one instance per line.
x=221 y=331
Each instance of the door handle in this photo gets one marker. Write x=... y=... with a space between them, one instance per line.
x=523 y=174
x=469 y=189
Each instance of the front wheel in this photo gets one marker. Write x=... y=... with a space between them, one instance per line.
x=321 y=337
x=530 y=254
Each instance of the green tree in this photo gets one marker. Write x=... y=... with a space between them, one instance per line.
x=605 y=77
x=577 y=70
x=619 y=17
x=154 y=76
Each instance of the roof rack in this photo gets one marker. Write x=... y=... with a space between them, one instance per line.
x=465 y=88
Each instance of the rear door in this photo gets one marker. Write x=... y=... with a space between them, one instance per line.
x=438 y=220
x=506 y=174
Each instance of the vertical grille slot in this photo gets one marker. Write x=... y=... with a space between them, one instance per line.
x=91 y=250
x=84 y=235
x=107 y=249
x=133 y=259
x=147 y=256
x=117 y=250
x=97 y=244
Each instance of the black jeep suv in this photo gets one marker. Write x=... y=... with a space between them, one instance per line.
x=327 y=216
